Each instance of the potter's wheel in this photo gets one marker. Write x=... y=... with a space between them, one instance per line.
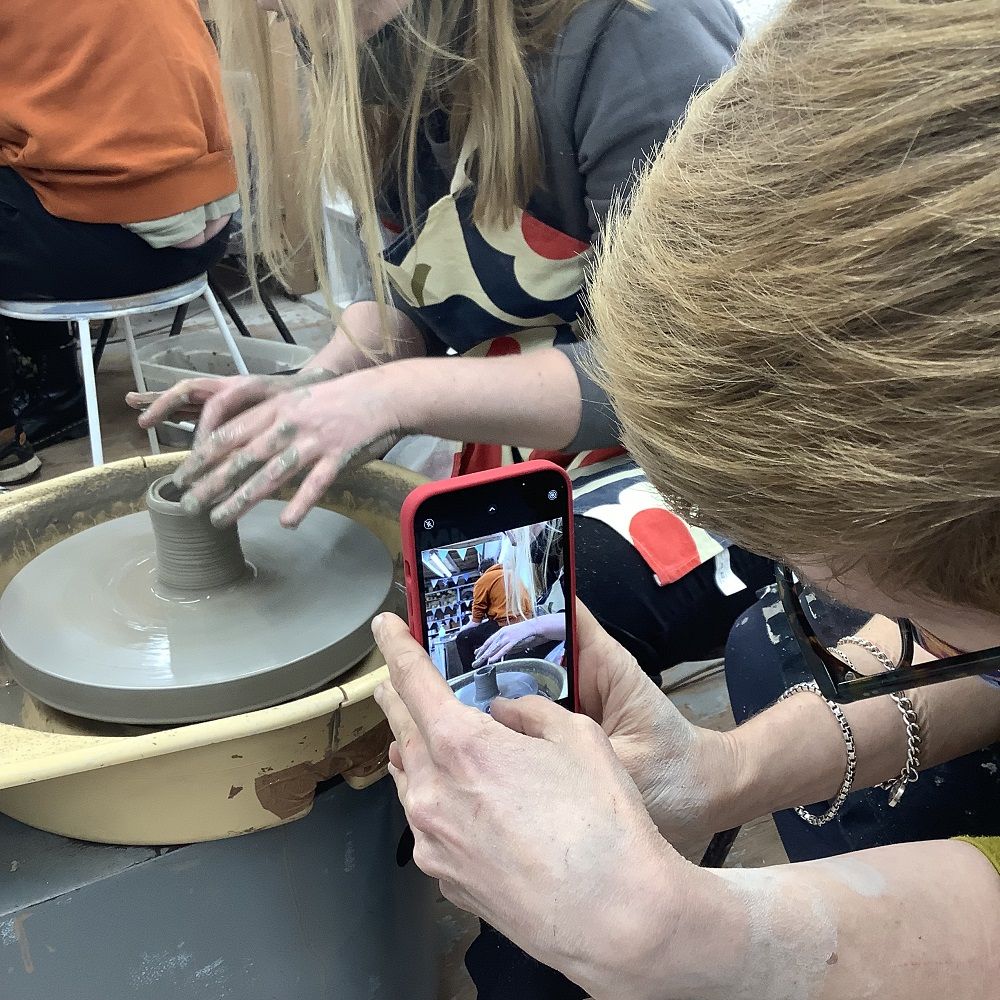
x=108 y=625
x=512 y=679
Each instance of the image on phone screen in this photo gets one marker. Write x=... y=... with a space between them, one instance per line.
x=495 y=613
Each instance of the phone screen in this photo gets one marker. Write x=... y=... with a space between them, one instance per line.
x=495 y=589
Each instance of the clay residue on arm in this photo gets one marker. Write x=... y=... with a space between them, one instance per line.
x=907 y=922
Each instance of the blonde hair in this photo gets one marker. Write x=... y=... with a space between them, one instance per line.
x=519 y=583
x=798 y=321
x=522 y=575
x=367 y=102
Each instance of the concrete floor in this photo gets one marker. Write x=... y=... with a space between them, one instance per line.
x=704 y=701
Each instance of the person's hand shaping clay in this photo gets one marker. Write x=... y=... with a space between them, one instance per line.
x=533 y=630
x=213 y=401
x=315 y=430
x=525 y=816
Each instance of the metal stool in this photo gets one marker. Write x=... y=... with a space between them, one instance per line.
x=80 y=315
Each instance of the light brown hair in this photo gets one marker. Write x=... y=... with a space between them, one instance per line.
x=799 y=319
x=368 y=99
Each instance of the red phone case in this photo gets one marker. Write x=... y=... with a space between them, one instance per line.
x=407 y=517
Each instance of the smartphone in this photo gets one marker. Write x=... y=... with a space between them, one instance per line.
x=490 y=582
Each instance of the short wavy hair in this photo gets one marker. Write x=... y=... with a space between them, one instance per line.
x=798 y=317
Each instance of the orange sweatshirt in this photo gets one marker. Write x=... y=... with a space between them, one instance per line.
x=112 y=109
x=489 y=599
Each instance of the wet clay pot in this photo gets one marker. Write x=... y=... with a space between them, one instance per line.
x=141 y=785
x=512 y=679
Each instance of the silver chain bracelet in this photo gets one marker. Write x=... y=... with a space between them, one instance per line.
x=911 y=769
x=852 y=757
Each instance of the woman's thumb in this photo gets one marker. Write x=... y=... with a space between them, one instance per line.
x=532 y=715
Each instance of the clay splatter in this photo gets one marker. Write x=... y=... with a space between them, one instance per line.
x=769 y=612
x=158 y=965
x=218 y=967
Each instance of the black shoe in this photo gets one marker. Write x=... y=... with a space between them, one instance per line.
x=51 y=417
x=49 y=401
x=18 y=461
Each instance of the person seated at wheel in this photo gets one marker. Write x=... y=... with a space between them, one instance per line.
x=488 y=138
x=507 y=592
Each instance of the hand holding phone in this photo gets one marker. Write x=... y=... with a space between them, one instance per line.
x=490 y=582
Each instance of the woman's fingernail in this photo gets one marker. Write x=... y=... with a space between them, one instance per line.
x=378 y=622
x=190 y=504
x=378 y=694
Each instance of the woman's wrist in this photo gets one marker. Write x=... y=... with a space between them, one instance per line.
x=713 y=791
x=759 y=755
x=417 y=391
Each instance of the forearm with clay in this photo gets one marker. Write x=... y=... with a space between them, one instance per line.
x=907 y=922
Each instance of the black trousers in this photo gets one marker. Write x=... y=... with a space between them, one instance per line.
x=45 y=257
x=959 y=798
x=661 y=626
x=467 y=642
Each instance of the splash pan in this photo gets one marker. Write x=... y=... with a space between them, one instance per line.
x=127 y=784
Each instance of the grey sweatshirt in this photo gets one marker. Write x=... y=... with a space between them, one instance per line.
x=611 y=90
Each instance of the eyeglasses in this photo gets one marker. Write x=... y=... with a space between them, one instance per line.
x=839 y=682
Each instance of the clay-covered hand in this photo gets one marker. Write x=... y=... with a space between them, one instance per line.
x=528 y=819
x=315 y=430
x=680 y=769
x=533 y=630
x=213 y=401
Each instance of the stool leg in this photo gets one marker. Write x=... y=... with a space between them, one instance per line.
x=82 y=330
x=227 y=303
x=220 y=322
x=102 y=342
x=276 y=318
x=140 y=381
x=179 y=317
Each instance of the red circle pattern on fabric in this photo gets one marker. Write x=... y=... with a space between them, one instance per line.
x=548 y=242
x=502 y=347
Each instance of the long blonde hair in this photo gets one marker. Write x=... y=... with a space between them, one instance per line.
x=799 y=320
x=367 y=101
x=523 y=576
x=519 y=582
